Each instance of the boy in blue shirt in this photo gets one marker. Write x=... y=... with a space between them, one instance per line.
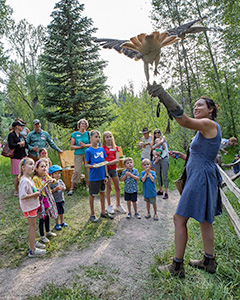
x=148 y=178
x=98 y=174
x=130 y=176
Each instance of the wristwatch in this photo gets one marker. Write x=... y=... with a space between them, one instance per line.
x=107 y=176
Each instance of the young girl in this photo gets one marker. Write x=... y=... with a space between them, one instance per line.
x=44 y=154
x=112 y=158
x=29 y=202
x=47 y=204
x=98 y=174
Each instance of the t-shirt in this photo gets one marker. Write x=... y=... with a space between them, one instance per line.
x=26 y=187
x=224 y=143
x=95 y=156
x=80 y=137
x=146 y=151
x=130 y=184
x=149 y=187
x=58 y=195
x=111 y=155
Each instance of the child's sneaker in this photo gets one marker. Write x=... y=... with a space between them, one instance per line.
x=93 y=219
x=155 y=217
x=58 y=227
x=110 y=209
x=64 y=225
x=128 y=216
x=39 y=245
x=44 y=239
x=148 y=216
x=120 y=209
x=49 y=233
x=36 y=253
x=137 y=216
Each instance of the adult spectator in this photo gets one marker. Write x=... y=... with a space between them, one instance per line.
x=145 y=143
x=38 y=139
x=162 y=165
x=16 y=141
x=79 y=143
x=25 y=130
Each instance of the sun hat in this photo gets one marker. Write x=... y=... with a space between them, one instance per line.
x=144 y=130
x=17 y=123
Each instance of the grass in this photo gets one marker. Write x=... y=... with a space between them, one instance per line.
x=225 y=284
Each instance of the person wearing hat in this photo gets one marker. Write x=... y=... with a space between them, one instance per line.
x=38 y=139
x=145 y=143
x=17 y=141
x=58 y=189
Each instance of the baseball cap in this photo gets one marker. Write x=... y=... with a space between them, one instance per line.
x=36 y=121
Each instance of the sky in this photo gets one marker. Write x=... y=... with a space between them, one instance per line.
x=114 y=19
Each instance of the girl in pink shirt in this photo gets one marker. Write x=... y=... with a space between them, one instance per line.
x=29 y=202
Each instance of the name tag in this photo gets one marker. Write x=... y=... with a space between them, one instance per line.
x=112 y=149
x=42 y=138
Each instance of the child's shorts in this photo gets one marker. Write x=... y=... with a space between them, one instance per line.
x=30 y=214
x=150 y=200
x=60 y=207
x=95 y=187
x=130 y=196
x=113 y=173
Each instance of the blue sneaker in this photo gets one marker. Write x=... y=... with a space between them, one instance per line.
x=64 y=225
x=58 y=227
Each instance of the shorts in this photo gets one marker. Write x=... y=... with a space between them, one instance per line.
x=60 y=207
x=95 y=187
x=113 y=173
x=31 y=213
x=130 y=196
x=150 y=200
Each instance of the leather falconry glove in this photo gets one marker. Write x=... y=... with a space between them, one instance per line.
x=173 y=108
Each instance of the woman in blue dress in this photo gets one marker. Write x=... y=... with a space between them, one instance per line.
x=200 y=198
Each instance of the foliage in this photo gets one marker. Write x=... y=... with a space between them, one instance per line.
x=72 y=77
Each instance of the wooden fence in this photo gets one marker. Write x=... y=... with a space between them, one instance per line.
x=227 y=181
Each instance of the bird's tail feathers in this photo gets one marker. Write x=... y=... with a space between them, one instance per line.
x=169 y=41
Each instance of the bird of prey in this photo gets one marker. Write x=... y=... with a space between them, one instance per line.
x=148 y=47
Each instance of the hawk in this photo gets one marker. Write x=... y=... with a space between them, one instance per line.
x=148 y=47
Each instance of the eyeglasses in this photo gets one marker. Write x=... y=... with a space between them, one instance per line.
x=43 y=153
x=157 y=132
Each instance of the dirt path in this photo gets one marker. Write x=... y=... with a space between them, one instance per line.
x=112 y=268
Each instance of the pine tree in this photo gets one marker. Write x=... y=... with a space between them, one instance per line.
x=72 y=78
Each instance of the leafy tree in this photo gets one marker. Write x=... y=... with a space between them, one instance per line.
x=5 y=14
x=72 y=77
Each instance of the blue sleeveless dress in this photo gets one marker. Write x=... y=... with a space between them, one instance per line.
x=200 y=198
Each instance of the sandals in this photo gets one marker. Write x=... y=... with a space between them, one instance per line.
x=155 y=218
x=15 y=194
x=70 y=193
x=148 y=216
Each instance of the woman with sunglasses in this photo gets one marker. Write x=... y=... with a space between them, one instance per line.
x=162 y=165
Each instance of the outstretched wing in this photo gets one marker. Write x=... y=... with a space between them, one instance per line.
x=184 y=29
x=117 y=45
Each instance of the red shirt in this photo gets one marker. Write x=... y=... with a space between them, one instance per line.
x=111 y=155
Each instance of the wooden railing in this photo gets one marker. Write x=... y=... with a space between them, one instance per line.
x=227 y=181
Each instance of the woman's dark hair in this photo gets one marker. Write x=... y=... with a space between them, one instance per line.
x=156 y=131
x=211 y=104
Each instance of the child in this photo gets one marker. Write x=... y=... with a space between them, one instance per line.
x=44 y=154
x=148 y=178
x=58 y=194
x=112 y=158
x=157 y=152
x=236 y=167
x=98 y=174
x=29 y=202
x=47 y=204
x=130 y=176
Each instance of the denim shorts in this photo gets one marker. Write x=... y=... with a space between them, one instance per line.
x=113 y=173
